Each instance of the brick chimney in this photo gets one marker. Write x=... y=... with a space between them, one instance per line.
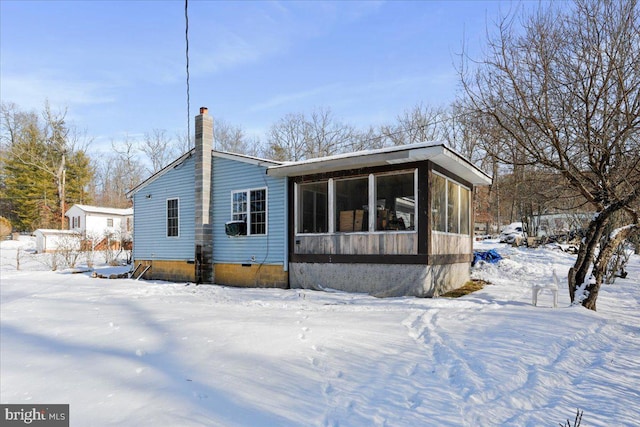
x=203 y=230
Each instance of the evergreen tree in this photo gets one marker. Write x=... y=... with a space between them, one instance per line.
x=79 y=178
x=41 y=167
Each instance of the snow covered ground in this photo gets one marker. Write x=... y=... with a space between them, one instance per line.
x=134 y=353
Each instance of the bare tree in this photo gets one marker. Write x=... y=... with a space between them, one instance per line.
x=159 y=149
x=296 y=137
x=565 y=90
x=118 y=173
x=422 y=123
x=464 y=132
x=325 y=135
x=287 y=138
x=228 y=137
x=183 y=144
x=371 y=138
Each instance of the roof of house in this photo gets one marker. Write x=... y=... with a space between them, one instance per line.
x=437 y=152
x=103 y=210
x=54 y=231
x=214 y=153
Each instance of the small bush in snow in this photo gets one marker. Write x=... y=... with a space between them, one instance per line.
x=69 y=249
x=5 y=227
x=53 y=260
x=576 y=422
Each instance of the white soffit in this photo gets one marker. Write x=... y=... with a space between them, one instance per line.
x=438 y=154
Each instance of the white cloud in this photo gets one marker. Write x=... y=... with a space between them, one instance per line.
x=353 y=94
x=283 y=99
x=30 y=90
x=265 y=30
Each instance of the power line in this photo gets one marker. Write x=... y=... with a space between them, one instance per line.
x=186 y=36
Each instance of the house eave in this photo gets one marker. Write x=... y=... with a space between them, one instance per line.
x=158 y=174
x=245 y=158
x=214 y=153
x=436 y=152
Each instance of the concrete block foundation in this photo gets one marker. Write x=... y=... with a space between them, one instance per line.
x=171 y=270
x=251 y=275
x=380 y=280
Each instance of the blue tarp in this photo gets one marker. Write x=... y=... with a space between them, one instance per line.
x=490 y=256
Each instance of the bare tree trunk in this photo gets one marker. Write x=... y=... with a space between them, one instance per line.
x=578 y=273
x=61 y=178
x=600 y=266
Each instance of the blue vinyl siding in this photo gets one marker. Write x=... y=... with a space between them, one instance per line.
x=229 y=176
x=150 y=216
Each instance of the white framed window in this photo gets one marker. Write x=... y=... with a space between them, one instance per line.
x=173 y=218
x=239 y=206
x=250 y=206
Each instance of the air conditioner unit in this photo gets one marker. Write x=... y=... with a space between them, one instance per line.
x=235 y=228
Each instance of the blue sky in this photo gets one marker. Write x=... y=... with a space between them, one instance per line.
x=119 y=66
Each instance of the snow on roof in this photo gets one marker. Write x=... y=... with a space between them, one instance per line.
x=245 y=158
x=103 y=210
x=54 y=231
x=436 y=151
x=362 y=153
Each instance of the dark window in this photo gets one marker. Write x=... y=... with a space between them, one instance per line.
x=312 y=208
x=173 y=218
x=258 y=211
x=352 y=204
x=395 y=202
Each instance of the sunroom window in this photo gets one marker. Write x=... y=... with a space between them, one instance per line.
x=395 y=202
x=351 y=204
x=465 y=197
x=450 y=204
x=438 y=203
x=313 y=208
x=453 y=208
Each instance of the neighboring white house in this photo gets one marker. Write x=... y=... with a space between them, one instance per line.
x=50 y=240
x=96 y=221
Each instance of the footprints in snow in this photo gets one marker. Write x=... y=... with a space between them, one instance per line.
x=302 y=335
x=462 y=376
x=319 y=361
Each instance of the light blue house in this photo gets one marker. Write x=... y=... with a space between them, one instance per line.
x=212 y=216
x=389 y=222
